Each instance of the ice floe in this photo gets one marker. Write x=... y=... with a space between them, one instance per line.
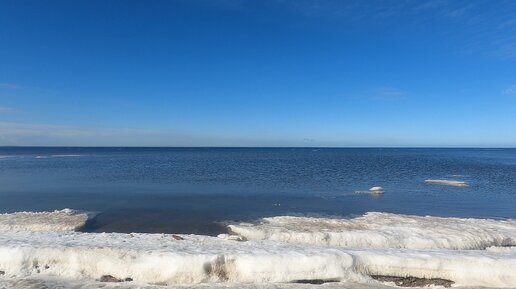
x=59 y=220
x=371 y=191
x=452 y=183
x=376 y=190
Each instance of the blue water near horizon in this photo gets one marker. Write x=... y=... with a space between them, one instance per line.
x=191 y=190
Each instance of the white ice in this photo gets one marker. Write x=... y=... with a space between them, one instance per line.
x=384 y=230
x=376 y=190
x=63 y=220
x=148 y=259
x=452 y=183
x=156 y=258
x=372 y=191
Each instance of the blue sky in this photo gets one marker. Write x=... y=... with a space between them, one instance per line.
x=258 y=73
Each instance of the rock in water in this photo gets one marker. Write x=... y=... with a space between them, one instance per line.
x=177 y=237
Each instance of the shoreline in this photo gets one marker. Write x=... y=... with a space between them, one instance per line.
x=277 y=252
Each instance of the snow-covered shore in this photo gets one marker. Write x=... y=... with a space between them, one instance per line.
x=38 y=256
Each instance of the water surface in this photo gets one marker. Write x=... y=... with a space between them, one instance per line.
x=190 y=190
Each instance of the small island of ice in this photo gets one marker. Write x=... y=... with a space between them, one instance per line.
x=376 y=190
x=447 y=183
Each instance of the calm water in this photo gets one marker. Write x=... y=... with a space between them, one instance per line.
x=190 y=190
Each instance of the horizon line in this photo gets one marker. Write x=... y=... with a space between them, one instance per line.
x=265 y=147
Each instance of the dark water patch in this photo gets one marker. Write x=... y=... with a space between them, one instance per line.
x=413 y=281
x=206 y=215
x=315 y=281
x=153 y=221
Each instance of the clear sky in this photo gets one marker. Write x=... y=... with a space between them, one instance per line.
x=258 y=73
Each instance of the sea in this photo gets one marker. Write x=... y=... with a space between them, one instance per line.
x=200 y=190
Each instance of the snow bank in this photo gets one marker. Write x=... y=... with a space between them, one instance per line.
x=37 y=247
x=464 y=267
x=156 y=258
x=384 y=230
x=160 y=259
x=447 y=183
x=63 y=220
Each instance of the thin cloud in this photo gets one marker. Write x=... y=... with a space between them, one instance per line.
x=13 y=86
x=4 y=109
x=20 y=130
x=510 y=90
x=33 y=134
x=16 y=133
x=430 y=5
x=9 y=85
x=481 y=28
x=390 y=91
